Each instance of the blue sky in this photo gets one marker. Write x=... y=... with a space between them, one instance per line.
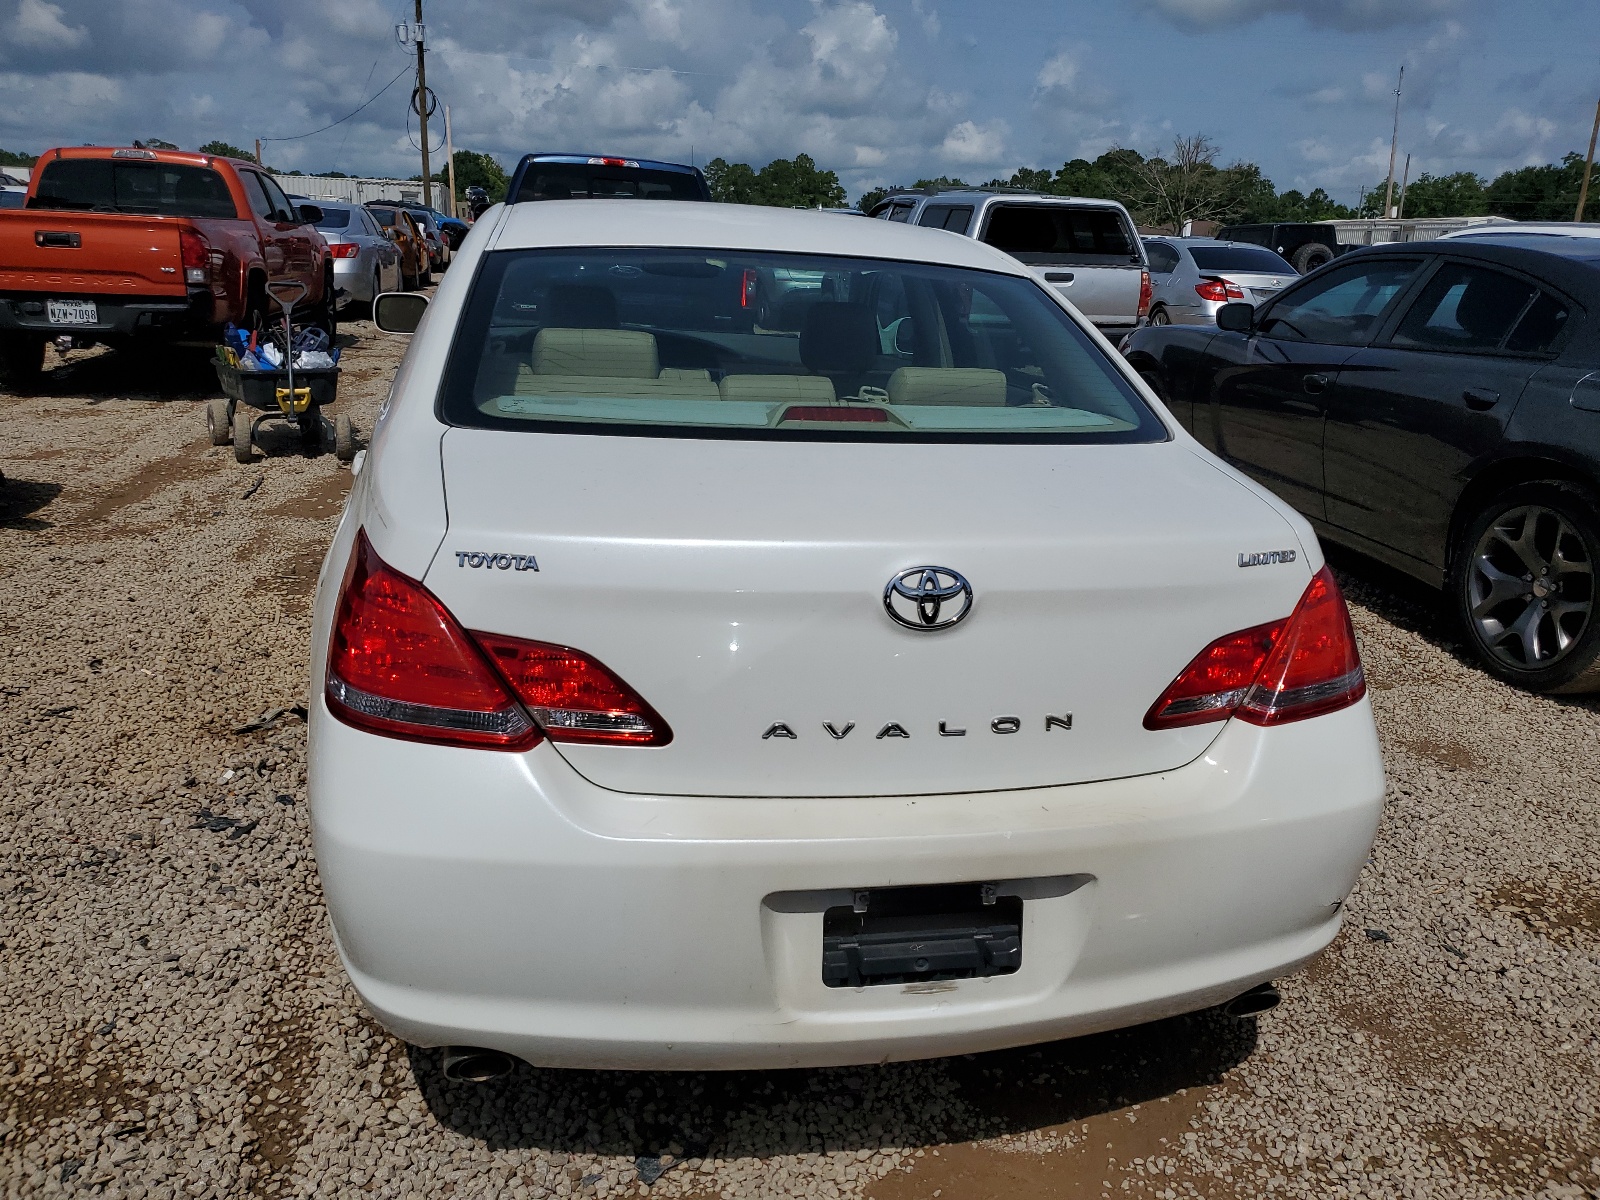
x=883 y=91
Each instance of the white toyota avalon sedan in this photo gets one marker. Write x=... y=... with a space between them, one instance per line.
x=757 y=639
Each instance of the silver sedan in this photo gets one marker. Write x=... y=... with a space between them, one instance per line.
x=1193 y=277
x=365 y=261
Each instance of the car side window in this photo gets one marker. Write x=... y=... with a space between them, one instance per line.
x=1341 y=307
x=900 y=212
x=255 y=191
x=1540 y=326
x=1163 y=258
x=282 y=210
x=1465 y=307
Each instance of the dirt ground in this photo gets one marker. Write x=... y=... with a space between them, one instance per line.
x=174 y=1022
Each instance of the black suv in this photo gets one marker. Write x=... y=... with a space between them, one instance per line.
x=1435 y=405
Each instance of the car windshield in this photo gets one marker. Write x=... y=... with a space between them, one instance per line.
x=1250 y=259
x=334 y=218
x=737 y=344
x=108 y=185
x=582 y=181
x=1041 y=234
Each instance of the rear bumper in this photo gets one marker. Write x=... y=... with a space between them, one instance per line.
x=119 y=316
x=502 y=900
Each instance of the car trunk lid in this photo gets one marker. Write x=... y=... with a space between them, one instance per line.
x=63 y=252
x=739 y=588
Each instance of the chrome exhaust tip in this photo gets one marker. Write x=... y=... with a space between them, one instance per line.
x=1259 y=999
x=474 y=1064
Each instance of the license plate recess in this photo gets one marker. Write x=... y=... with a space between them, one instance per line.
x=921 y=935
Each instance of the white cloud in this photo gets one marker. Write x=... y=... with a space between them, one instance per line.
x=929 y=16
x=38 y=25
x=972 y=143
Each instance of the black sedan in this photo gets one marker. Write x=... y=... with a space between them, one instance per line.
x=1435 y=405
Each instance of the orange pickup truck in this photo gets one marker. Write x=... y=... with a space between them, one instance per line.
x=119 y=245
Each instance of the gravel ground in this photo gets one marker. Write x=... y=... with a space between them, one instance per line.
x=174 y=1023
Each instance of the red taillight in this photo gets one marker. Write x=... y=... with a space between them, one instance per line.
x=573 y=697
x=343 y=249
x=1212 y=289
x=1235 y=292
x=194 y=252
x=824 y=412
x=747 y=288
x=400 y=665
x=1271 y=674
x=1146 y=293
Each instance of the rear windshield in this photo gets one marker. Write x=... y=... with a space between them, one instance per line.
x=579 y=181
x=111 y=185
x=1249 y=259
x=1038 y=233
x=334 y=218
x=384 y=216
x=762 y=345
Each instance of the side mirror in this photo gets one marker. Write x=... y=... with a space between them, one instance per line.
x=399 y=312
x=1236 y=318
x=310 y=214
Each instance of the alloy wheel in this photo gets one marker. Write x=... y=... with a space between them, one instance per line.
x=1530 y=587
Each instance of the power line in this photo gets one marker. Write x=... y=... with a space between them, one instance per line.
x=348 y=115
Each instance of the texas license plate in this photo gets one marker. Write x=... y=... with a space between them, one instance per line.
x=71 y=312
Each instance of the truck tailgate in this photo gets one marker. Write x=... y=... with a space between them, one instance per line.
x=49 y=250
x=1106 y=295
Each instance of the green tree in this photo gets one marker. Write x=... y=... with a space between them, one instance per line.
x=943 y=181
x=1547 y=193
x=474 y=169
x=1456 y=195
x=15 y=158
x=872 y=196
x=156 y=144
x=783 y=183
x=227 y=150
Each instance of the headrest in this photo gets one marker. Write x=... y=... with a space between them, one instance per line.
x=839 y=337
x=778 y=389
x=972 y=386
x=582 y=306
x=606 y=353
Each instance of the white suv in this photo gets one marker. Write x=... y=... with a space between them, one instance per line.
x=694 y=694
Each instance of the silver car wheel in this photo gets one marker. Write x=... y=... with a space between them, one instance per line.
x=1530 y=587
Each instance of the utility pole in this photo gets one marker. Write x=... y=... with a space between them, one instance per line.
x=1588 y=165
x=422 y=109
x=1394 y=140
x=1405 y=176
x=258 y=152
x=450 y=159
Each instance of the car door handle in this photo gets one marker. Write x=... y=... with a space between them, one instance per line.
x=1480 y=399
x=1314 y=385
x=1059 y=276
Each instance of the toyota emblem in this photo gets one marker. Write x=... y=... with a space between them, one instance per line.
x=928 y=598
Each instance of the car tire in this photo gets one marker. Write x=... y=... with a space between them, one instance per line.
x=21 y=362
x=1310 y=256
x=243 y=423
x=1158 y=316
x=344 y=438
x=217 y=423
x=1543 y=536
x=425 y=279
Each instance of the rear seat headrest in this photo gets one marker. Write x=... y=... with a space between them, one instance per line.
x=971 y=386
x=839 y=338
x=603 y=353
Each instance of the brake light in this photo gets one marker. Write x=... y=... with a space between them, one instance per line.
x=1235 y=292
x=1146 y=293
x=747 y=287
x=401 y=665
x=194 y=252
x=1212 y=289
x=824 y=412
x=344 y=249
x=573 y=697
x=1303 y=666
